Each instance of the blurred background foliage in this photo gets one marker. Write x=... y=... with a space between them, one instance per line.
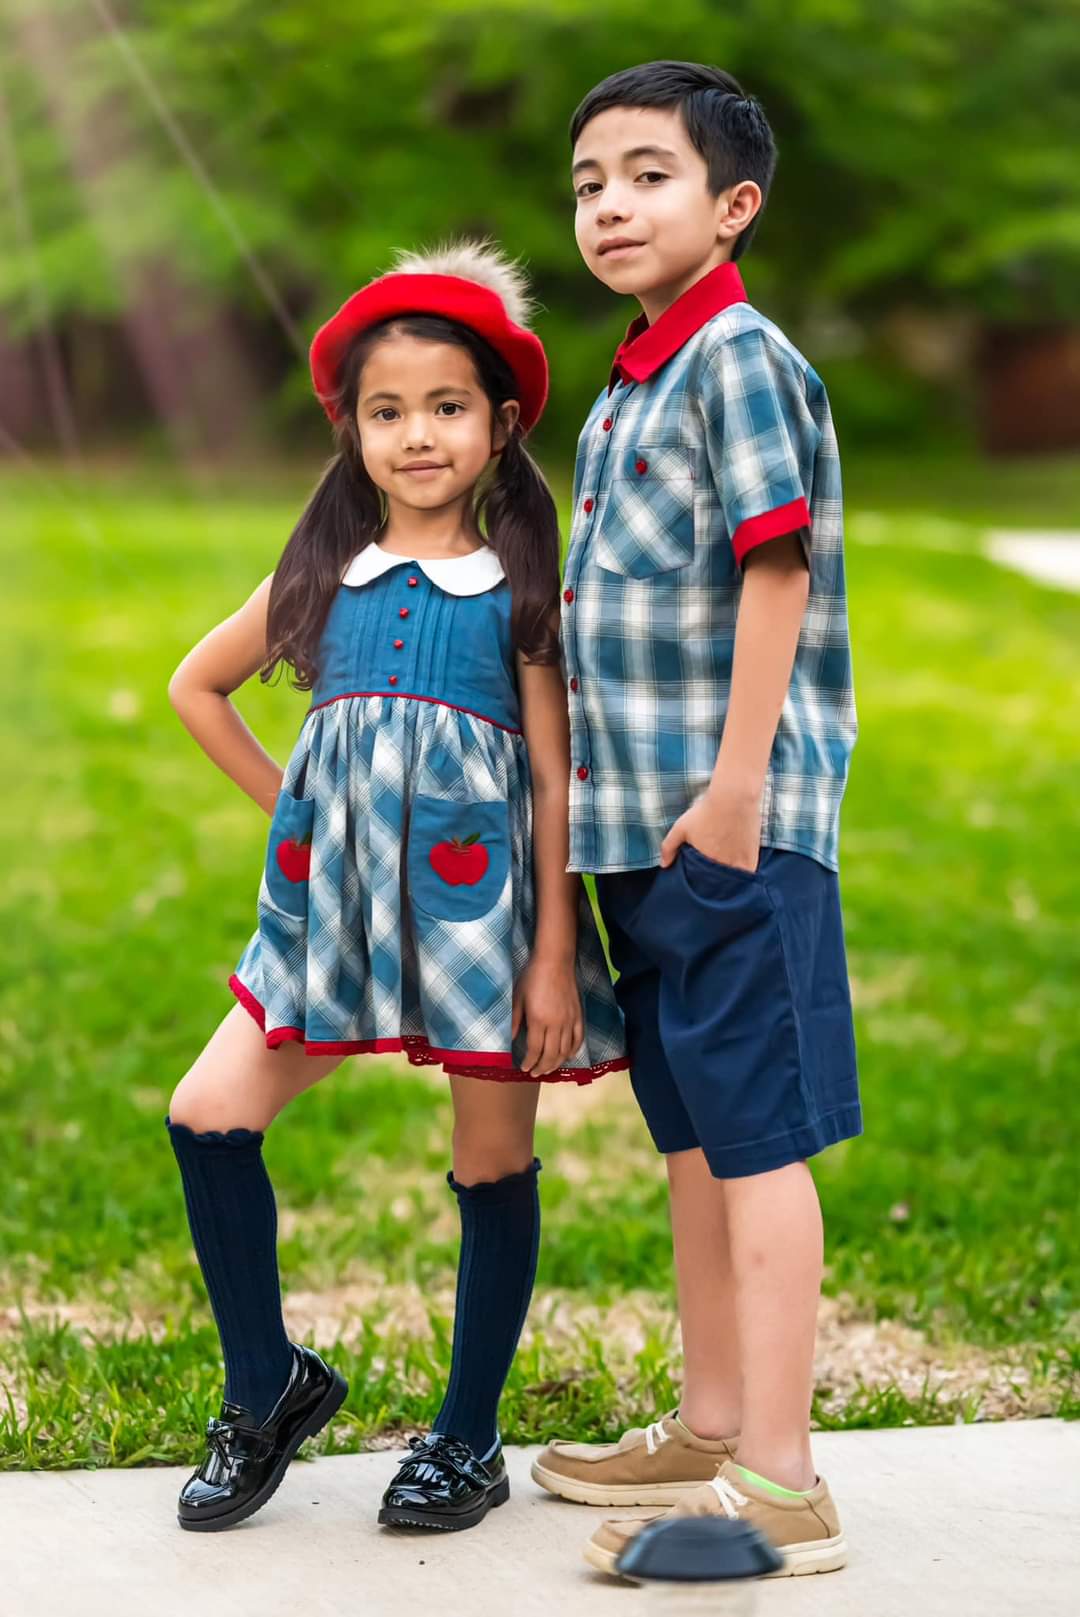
x=192 y=188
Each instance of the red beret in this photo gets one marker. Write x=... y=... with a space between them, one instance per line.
x=467 y=302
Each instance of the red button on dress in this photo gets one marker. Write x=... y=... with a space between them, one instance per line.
x=393 y=679
x=608 y=424
x=583 y=773
x=641 y=466
x=588 y=506
x=568 y=595
x=573 y=684
x=404 y=612
x=413 y=583
x=398 y=644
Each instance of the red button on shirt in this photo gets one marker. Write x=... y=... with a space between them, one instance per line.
x=413 y=583
x=393 y=679
x=568 y=595
x=398 y=644
x=404 y=612
x=588 y=506
x=608 y=424
x=583 y=773
x=573 y=684
x=641 y=466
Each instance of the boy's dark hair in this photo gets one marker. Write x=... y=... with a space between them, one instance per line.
x=346 y=513
x=728 y=129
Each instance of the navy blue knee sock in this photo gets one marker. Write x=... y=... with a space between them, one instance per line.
x=233 y=1219
x=500 y=1237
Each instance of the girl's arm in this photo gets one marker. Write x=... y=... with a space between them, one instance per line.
x=546 y=993
x=200 y=690
x=546 y=723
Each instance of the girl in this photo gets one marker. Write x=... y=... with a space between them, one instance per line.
x=415 y=895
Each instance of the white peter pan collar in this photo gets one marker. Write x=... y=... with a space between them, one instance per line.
x=480 y=570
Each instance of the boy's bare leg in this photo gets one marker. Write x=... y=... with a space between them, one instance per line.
x=776 y=1243
x=710 y=1403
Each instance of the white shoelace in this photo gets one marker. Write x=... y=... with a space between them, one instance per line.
x=655 y=1435
x=728 y=1495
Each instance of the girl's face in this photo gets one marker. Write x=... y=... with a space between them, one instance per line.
x=427 y=428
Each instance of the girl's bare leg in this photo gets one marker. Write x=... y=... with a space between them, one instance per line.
x=237 y=1083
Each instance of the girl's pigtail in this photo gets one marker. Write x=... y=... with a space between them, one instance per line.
x=522 y=526
x=341 y=517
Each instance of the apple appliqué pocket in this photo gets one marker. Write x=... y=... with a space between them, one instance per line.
x=462 y=863
x=458 y=855
x=294 y=859
x=288 y=854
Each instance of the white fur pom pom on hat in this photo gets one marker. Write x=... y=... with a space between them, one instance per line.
x=475 y=260
x=470 y=283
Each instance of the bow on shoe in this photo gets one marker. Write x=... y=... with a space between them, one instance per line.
x=437 y=1454
x=231 y=1442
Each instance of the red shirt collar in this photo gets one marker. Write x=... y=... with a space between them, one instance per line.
x=645 y=348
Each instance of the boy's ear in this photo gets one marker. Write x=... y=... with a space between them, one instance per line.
x=735 y=208
x=506 y=419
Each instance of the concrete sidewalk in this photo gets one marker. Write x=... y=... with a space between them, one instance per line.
x=942 y=1522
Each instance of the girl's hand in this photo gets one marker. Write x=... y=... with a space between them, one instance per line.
x=546 y=995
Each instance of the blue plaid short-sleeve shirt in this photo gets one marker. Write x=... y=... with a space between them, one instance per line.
x=715 y=436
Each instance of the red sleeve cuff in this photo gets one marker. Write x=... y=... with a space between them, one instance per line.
x=769 y=525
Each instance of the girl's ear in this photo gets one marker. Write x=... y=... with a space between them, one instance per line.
x=506 y=419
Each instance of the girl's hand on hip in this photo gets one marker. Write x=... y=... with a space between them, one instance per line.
x=546 y=996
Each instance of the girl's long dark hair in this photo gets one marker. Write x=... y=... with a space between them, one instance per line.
x=347 y=512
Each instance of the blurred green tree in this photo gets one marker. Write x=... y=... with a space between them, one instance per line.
x=223 y=155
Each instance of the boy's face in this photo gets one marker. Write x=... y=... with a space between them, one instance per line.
x=646 y=223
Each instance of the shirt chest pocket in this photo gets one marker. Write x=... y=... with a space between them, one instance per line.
x=647 y=524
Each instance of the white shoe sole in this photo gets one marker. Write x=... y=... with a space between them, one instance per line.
x=611 y=1493
x=800 y=1560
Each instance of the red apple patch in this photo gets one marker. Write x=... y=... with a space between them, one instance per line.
x=460 y=863
x=294 y=859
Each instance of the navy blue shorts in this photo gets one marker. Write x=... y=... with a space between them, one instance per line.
x=735 y=991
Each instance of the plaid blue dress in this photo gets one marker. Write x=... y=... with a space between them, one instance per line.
x=397 y=905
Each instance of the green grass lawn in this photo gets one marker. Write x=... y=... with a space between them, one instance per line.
x=129 y=893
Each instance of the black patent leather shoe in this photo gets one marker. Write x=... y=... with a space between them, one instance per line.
x=245 y=1463
x=443 y=1485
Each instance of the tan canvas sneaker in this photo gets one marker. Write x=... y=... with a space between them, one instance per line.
x=805 y=1530
x=649 y=1465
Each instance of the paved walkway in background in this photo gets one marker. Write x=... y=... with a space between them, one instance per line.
x=1048 y=558
x=942 y=1522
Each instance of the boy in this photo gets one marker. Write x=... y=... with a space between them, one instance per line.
x=712 y=718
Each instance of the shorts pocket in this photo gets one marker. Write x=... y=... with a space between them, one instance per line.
x=288 y=853
x=648 y=523
x=715 y=903
x=713 y=869
x=458 y=856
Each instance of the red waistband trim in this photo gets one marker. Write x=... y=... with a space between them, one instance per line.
x=411 y=696
x=496 y=1065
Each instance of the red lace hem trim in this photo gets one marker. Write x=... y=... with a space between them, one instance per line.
x=492 y=1064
